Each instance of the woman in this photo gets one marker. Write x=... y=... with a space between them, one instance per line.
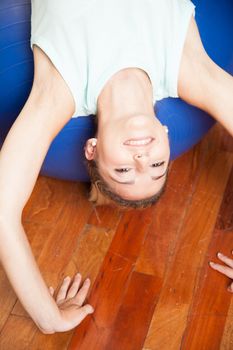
x=148 y=57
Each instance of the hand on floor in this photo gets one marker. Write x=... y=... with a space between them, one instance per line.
x=226 y=270
x=70 y=299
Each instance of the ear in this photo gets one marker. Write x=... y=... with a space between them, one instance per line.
x=90 y=148
x=166 y=129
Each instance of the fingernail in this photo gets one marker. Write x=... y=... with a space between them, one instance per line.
x=78 y=275
x=211 y=263
x=67 y=278
x=219 y=254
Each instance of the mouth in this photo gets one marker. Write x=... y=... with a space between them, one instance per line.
x=139 y=141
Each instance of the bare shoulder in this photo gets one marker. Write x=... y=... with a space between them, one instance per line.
x=47 y=80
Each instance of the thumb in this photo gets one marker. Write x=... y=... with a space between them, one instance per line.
x=51 y=291
x=230 y=288
x=84 y=311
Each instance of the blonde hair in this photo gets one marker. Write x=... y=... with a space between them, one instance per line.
x=97 y=197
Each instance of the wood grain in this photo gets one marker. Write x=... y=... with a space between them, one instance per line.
x=17 y=333
x=195 y=235
x=205 y=302
x=142 y=292
x=152 y=287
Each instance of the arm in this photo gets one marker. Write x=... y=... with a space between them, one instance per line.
x=46 y=111
x=204 y=84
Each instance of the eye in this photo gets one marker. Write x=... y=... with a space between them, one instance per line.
x=155 y=165
x=123 y=170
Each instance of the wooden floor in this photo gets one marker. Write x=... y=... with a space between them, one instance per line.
x=152 y=287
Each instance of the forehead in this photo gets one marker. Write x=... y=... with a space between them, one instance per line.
x=139 y=190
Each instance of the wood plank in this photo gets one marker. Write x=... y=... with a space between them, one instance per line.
x=108 y=290
x=92 y=246
x=47 y=200
x=8 y=298
x=221 y=138
x=225 y=216
x=163 y=233
x=105 y=216
x=42 y=209
x=57 y=341
x=185 y=265
x=207 y=333
x=133 y=319
x=217 y=139
x=61 y=244
x=177 y=229
x=168 y=218
x=17 y=334
x=105 y=297
x=227 y=338
x=166 y=327
x=209 y=300
x=131 y=233
x=61 y=241
x=125 y=246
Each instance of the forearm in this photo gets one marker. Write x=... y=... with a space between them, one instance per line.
x=24 y=275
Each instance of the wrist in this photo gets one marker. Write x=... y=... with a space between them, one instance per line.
x=49 y=327
x=50 y=323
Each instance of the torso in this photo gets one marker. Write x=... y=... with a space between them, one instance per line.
x=91 y=41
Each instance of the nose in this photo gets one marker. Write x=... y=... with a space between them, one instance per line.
x=141 y=160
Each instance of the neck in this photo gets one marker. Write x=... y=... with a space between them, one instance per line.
x=127 y=93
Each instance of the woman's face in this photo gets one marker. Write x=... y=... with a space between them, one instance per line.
x=133 y=156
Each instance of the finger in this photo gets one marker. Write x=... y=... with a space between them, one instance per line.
x=74 y=287
x=84 y=311
x=225 y=259
x=230 y=288
x=82 y=294
x=227 y=271
x=61 y=295
x=51 y=291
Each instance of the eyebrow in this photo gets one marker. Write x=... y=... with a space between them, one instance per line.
x=133 y=182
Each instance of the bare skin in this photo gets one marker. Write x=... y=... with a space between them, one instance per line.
x=201 y=83
x=226 y=269
x=135 y=169
x=48 y=108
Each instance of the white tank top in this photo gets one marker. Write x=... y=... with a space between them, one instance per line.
x=88 y=41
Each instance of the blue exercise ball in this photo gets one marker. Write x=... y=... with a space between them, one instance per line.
x=65 y=158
